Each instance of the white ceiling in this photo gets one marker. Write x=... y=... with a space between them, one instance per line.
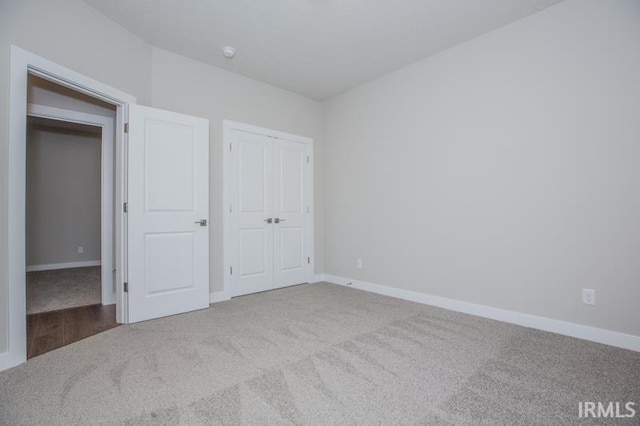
x=317 y=48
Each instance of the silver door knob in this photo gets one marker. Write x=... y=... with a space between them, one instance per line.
x=278 y=220
x=202 y=222
x=269 y=220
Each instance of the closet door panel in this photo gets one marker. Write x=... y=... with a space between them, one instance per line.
x=291 y=207
x=251 y=207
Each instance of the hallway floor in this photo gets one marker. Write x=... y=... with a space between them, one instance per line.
x=51 y=330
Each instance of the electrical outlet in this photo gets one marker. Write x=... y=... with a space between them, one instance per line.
x=359 y=263
x=80 y=249
x=588 y=296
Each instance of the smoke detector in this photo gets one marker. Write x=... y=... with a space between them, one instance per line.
x=228 y=52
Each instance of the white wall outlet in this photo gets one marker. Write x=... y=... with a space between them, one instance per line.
x=80 y=249
x=359 y=263
x=588 y=296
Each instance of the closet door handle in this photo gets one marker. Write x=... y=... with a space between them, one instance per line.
x=278 y=220
x=268 y=220
x=202 y=222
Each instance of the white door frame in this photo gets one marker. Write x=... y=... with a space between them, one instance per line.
x=106 y=184
x=227 y=127
x=24 y=63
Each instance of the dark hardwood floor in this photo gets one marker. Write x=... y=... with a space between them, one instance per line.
x=50 y=330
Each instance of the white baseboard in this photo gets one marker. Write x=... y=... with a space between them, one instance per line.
x=52 y=266
x=598 y=335
x=218 y=296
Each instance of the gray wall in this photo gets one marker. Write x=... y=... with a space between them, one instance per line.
x=502 y=172
x=63 y=193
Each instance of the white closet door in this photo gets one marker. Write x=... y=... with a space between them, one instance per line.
x=292 y=225
x=251 y=206
x=271 y=229
x=168 y=197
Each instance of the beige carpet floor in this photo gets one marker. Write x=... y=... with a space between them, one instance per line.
x=63 y=288
x=320 y=354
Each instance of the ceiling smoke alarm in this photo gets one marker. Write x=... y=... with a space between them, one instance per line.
x=228 y=52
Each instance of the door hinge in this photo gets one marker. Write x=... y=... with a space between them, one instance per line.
x=230 y=270
x=309 y=260
x=307 y=159
x=126 y=287
x=125 y=207
x=126 y=127
x=229 y=147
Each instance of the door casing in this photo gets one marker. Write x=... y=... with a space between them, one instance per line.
x=227 y=254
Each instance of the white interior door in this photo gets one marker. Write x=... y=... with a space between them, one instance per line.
x=270 y=212
x=168 y=197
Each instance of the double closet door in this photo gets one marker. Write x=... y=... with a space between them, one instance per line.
x=270 y=212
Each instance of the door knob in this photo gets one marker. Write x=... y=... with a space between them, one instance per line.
x=278 y=220
x=202 y=222
x=269 y=220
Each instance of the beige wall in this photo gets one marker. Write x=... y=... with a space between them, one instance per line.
x=63 y=193
x=70 y=33
x=502 y=172
x=190 y=87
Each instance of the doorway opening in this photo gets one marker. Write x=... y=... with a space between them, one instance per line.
x=69 y=216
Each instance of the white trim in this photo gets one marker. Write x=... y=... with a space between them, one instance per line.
x=231 y=125
x=218 y=296
x=227 y=127
x=67 y=265
x=607 y=337
x=24 y=63
x=107 y=126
